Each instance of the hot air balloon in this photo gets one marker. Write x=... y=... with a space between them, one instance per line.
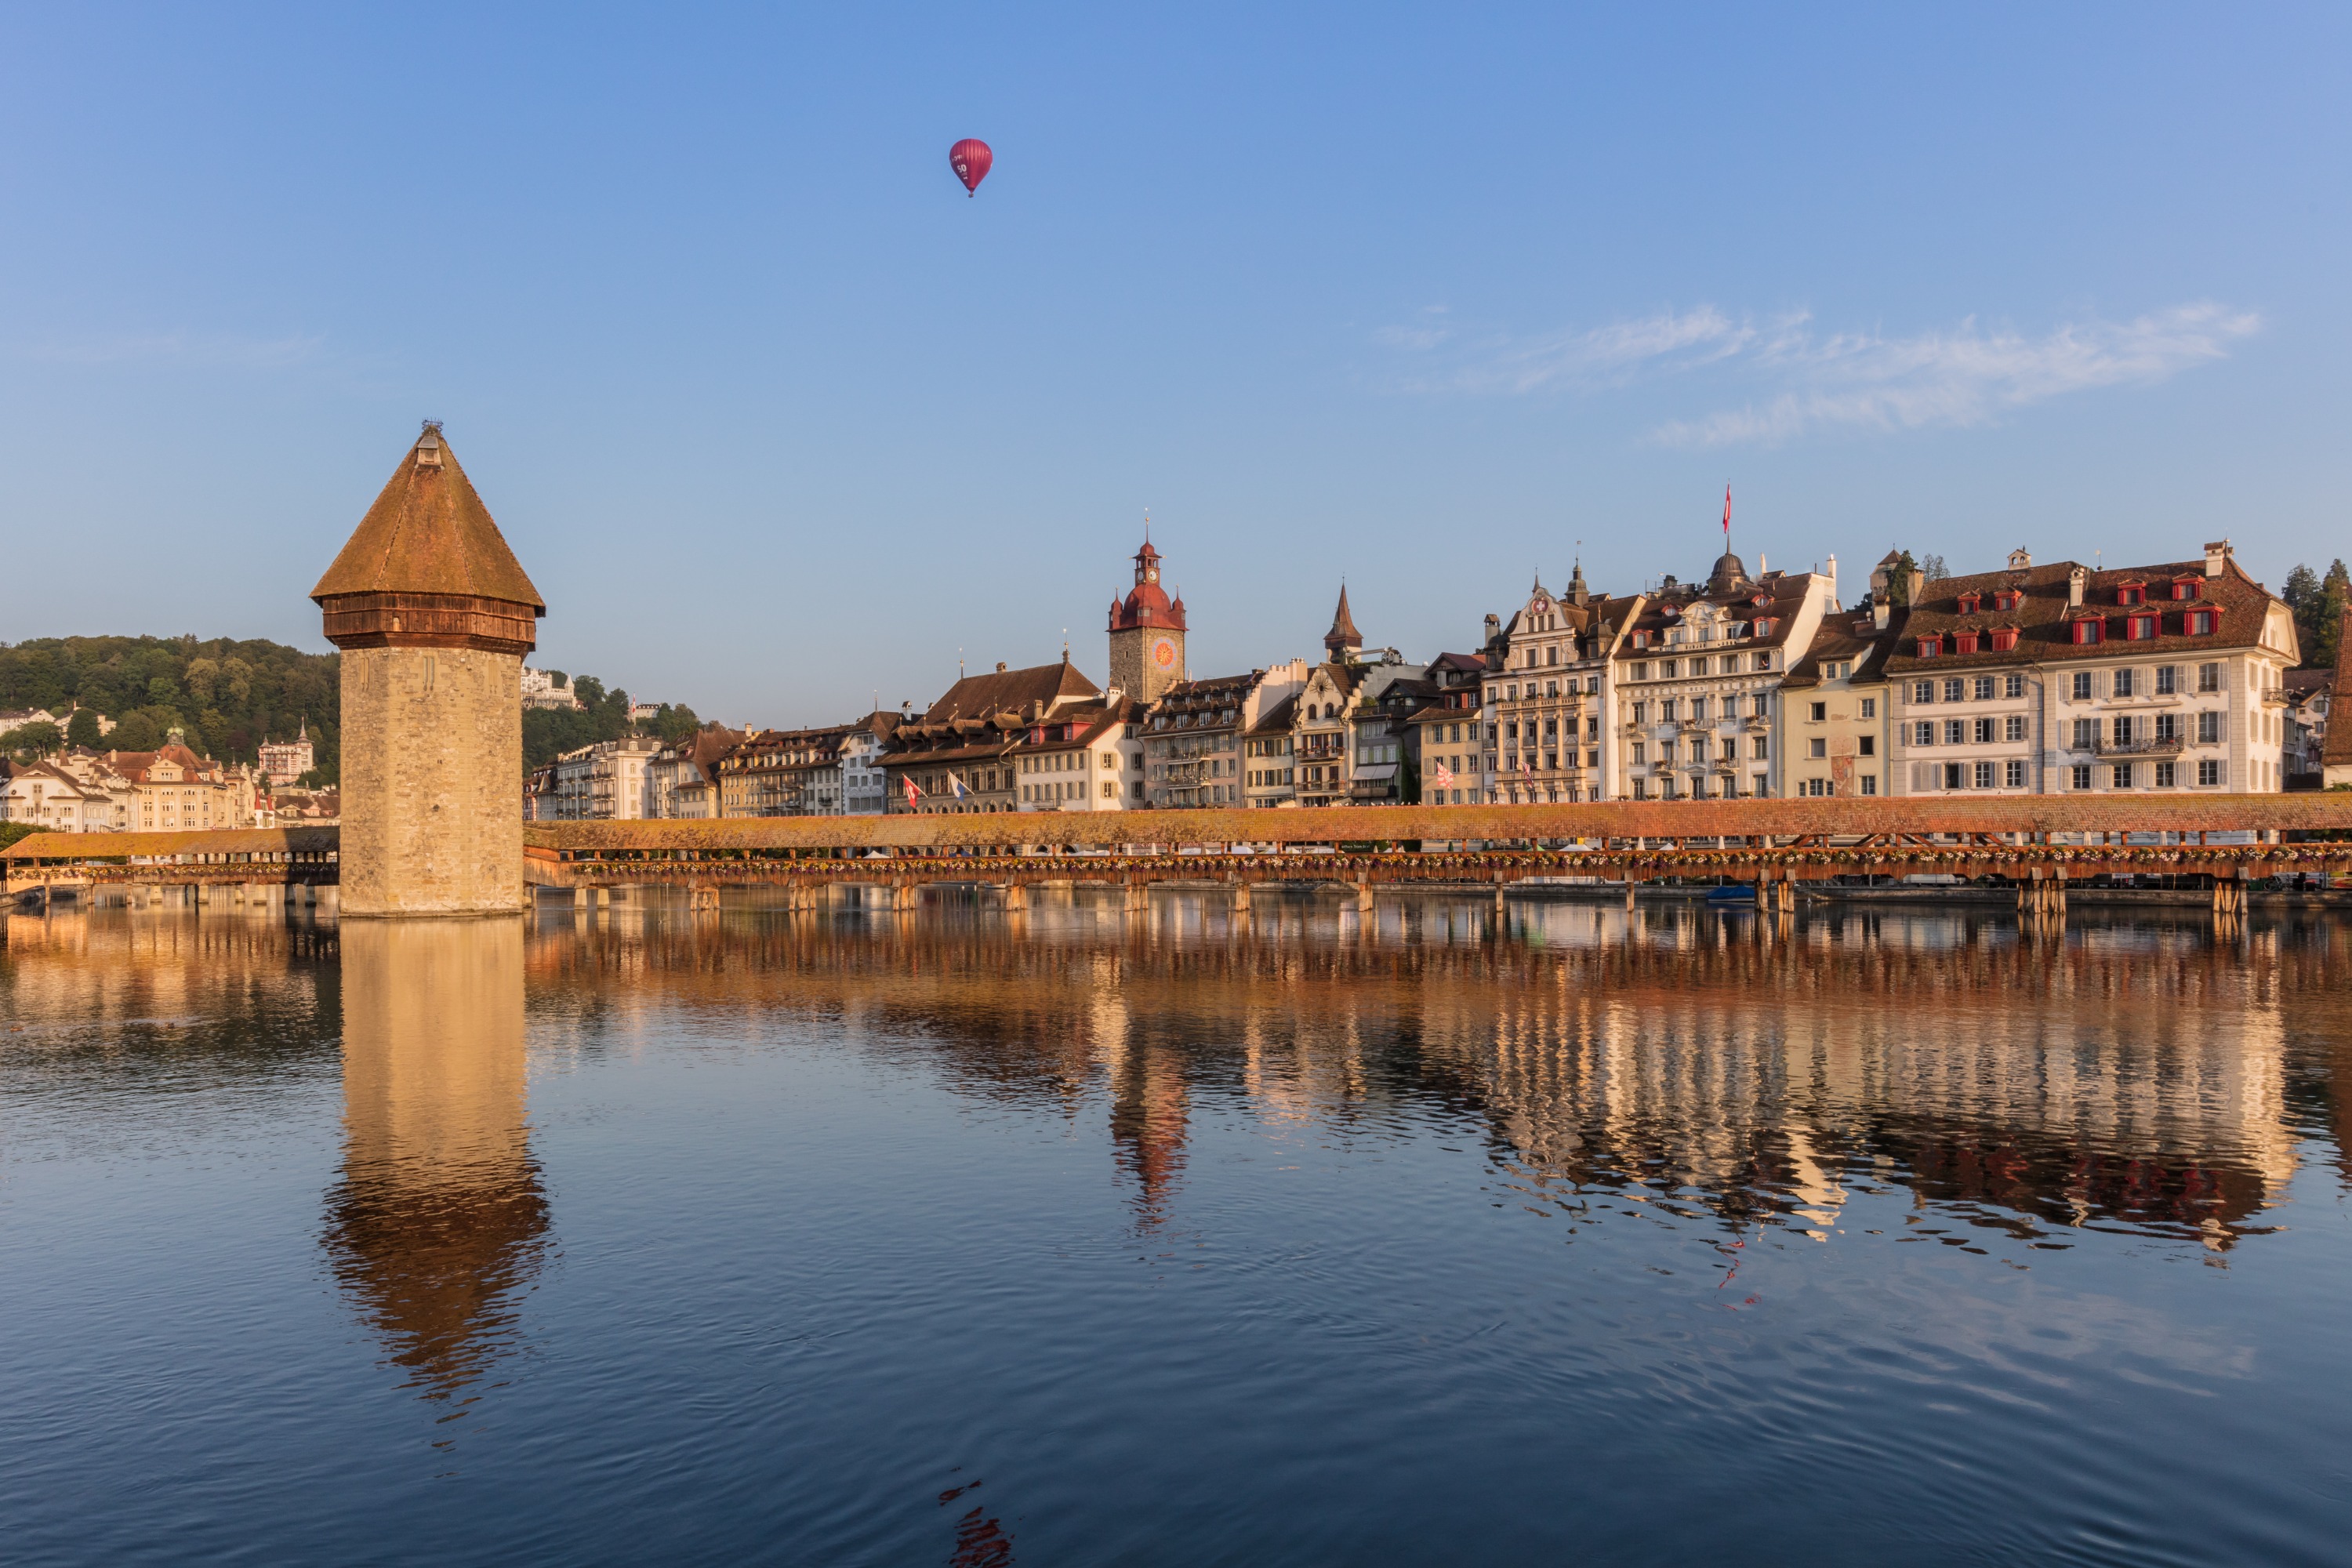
x=971 y=158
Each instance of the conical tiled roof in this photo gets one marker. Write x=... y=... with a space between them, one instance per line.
x=1343 y=632
x=429 y=532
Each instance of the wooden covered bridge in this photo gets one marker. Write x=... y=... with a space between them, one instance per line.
x=2039 y=843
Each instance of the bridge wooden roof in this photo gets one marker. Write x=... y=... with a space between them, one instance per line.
x=158 y=846
x=1839 y=816
x=429 y=532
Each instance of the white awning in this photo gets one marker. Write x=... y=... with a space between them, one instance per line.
x=1375 y=772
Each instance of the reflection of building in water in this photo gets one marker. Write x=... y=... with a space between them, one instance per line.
x=439 y=1215
x=2141 y=1080
x=2135 y=1070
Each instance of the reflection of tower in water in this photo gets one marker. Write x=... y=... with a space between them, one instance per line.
x=439 y=1218
x=1148 y=1108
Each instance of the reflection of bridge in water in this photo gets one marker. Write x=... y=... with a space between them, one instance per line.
x=2136 y=1073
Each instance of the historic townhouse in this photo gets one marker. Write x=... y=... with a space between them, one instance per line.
x=682 y=779
x=49 y=797
x=1082 y=759
x=1549 y=706
x=792 y=773
x=1697 y=677
x=960 y=754
x=1836 y=729
x=2043 y=679
x=1269 y=765
x=1196 y=750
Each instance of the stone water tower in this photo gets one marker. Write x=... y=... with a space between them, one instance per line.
x=433 y=616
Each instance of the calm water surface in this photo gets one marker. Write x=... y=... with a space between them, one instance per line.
x=1089 y=1238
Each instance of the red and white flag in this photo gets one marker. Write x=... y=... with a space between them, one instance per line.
x=1727 y=514
x=908 y=780
x=1444 y=777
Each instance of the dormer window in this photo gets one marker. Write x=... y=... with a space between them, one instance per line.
x=2140 y=628
x=2202 y=622
x=1930 y=647
x=1964 y=642
x=1641 y=639
x=2089 y=631
x=1968 y=602
x=2131 y=594
x=2007 y=599
x=2186 y=587
x=2003 y=638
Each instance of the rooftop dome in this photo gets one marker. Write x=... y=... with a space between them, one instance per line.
x=1729 y=577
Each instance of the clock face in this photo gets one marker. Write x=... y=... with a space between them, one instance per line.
x=1163 y=653
x=1151 y=573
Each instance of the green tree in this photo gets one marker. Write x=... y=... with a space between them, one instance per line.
x=2335 y=592
x=82 y=730
x=135 y=733
x=28 y=741
x=1898 y=586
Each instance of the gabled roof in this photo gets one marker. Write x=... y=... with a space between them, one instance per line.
x=429 y=532
x=1009 y=691
x=1278 y=719
x=1839 y=640
x=2043 y=616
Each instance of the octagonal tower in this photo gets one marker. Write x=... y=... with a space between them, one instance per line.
x=433 y=614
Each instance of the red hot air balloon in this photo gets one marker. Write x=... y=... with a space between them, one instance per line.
x=971 y=158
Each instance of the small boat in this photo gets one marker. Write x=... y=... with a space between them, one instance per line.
x=1731 y=893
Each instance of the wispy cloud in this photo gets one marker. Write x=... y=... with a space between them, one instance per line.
x=1857 y=381
x=185 y=348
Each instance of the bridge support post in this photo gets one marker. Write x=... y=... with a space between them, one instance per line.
x=1241 y=898
x=1016 y=896
x=1363 y=897
x=1135 y=897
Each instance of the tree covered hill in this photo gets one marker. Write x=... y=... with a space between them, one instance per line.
x=230 y=696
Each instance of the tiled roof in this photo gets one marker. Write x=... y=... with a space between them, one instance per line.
x=1839 y=640
x=1009 y=691
x=1783 y=595
x=429 y=532
x=2044 y=614
x=1278 y=719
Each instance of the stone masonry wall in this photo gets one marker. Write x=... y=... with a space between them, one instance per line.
x=431 y=781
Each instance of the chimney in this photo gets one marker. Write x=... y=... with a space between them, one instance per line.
x=999 y=666
x=1879 y=609
x=2074 y=581
x=1918 y=581
x=2019 y=560
x=2215 y=554
x=1494 y=627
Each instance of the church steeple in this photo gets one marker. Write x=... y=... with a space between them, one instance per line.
x=1343 y=640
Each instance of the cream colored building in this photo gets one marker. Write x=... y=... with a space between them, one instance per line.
x=2060 y=679
x=1552 y=704
x=1836 y=724
x=1697 y=676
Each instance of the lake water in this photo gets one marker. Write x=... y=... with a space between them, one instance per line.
x=1083 y=1236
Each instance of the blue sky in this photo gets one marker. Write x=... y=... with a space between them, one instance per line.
x=778 y=419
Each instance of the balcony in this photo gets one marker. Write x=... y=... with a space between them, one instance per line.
x=2168 y=747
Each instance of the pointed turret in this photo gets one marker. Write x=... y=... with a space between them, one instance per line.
x=427 y=568
x=1343 y=640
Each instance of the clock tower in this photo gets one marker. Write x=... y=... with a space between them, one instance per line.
x=1147 y=634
